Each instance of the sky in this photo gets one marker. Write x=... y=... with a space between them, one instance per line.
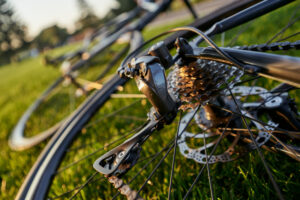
x=39 y=14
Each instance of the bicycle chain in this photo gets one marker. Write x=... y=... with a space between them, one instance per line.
x=276 y=46
x=124 y=188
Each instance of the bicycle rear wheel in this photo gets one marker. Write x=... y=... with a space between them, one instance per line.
x=90 y=145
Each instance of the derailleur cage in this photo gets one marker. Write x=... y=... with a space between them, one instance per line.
x=119 y=160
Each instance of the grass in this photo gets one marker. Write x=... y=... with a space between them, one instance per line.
x=245 y=178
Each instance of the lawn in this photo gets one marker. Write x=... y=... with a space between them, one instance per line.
x=21 y=83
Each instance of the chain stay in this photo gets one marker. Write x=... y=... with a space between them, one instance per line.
x=276 y=46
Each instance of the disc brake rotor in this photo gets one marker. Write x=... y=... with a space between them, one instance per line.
x=210 y=131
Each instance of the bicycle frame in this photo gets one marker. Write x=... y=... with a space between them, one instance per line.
x=135 y=26
x=264 y=64
x=151 y=80
x=17 y=139
x=244 y=16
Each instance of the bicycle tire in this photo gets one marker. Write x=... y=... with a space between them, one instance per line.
x=84 y=111
x=82 y=114
x=17 y=140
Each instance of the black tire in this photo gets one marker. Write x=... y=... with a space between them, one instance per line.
x=67 y=132
x=17 y=140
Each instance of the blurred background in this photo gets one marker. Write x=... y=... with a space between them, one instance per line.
x=31 y=26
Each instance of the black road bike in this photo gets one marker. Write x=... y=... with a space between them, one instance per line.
x=81 y=74
x=207 y=105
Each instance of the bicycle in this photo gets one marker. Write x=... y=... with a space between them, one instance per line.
x=225 y=106
x=37 y=123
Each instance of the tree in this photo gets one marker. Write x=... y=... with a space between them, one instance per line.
x=123 y=6
x=12 y=32
x=51 y=37
x=84 y=8
x=87 y=18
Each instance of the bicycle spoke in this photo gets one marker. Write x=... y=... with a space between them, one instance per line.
x=285 y=146
x=255 y=130
x=241 y=31
x=164 y=157
x=71 y=101
x=269 y=131
x=248 y=80
x=134 y=118
x=94 y=152
x=126 y=96
x=72 y=190
x=252 y=119
x=85 y=184
x=113 y=62
x=251 y=89
x=258 y=149
x=145 y=166
x=288 y=37
x=210 y=155
x=290 y=23
x=155 y=168
x=92 y=143
x=112 y=114
x=174 y=155
x=208 y=171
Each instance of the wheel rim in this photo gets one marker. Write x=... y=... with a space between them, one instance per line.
x=44 y=117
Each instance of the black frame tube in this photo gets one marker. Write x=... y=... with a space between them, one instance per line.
x=140 y=25
x=244 y=16
x=279 y=67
